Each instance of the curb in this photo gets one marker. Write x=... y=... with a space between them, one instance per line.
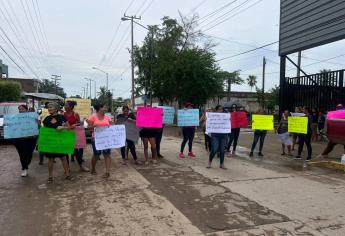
x=334 y=165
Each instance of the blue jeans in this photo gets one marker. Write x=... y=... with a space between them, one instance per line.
x=218 y=143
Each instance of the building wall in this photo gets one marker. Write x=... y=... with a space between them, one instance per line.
x=247 y=99
x=28 y=85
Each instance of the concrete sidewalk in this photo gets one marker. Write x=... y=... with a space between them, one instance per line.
x=273 y=195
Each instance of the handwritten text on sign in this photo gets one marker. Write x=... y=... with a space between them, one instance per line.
x=262 y=122
x=20 y=125
x=132 y=131
x=188 y=117
x=150 y=117
x=56 y=141
x=110 y=137
x=218 y=123
x=239 y=120
x=298 y=124
x=80 y=137
x=168 y=115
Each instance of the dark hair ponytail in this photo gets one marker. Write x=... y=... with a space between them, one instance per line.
x=71 y=104
x=98 y=106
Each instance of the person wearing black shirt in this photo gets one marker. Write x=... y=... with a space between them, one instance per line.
x=55 y=121
x=122 y=119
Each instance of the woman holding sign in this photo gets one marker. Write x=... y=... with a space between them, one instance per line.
x=100 y=120
x=218 y=143
x=73 y=120
x=234 y=135
x=259 y=135
x=25 y=146
x=188 y=136
x=123 y=119
x=55 y=121
x=284 y=135
x=306 y=138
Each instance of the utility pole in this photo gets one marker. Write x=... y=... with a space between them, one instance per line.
x=263 y=82
x=131 y=18
x=83 y=92
x=112 y=100
x=56 y=79
x=299 y=64
x=90 y=80
x=95 y=89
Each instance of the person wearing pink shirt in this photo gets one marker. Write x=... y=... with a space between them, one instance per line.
x=100 y=120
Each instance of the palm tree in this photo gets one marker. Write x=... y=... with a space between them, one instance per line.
x=252 y=81
x=230 y=78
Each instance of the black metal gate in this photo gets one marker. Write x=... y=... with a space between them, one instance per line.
x=323 y=91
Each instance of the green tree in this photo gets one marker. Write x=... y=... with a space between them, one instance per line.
x=174 y=67
x=9 y=91
x=271 y=97
x=327 y=78
x=230 y=78
x=105 y=97
x=252 y=81
x=48 y=86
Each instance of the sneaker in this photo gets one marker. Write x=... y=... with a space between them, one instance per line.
x=154 y=161
x=308 y=159
x=24 y=173
x=260 y=154
x=84 y=169
x=251 y=154
x=160 y=156
x=181 y=155
x=297 y=157
x=191 y=154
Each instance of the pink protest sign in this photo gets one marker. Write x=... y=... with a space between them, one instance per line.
x=80 y=137
x=336 y=115
x=239 y=120
x=150 y=117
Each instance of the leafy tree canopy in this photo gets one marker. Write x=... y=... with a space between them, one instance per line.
x=48 y=86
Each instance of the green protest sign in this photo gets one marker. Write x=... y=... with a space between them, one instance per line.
x=56 y=141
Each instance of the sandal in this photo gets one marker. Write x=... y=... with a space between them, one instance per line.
x=68 y=177
x=93 y=172
x=50 y=180
x=106 y=175
x=154 y=162
x=223 y=167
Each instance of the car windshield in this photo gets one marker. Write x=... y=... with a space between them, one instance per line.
x=8 y=109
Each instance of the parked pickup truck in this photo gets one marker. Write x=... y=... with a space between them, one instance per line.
x=336 y=130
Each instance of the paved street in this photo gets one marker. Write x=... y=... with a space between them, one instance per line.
x=273 y=195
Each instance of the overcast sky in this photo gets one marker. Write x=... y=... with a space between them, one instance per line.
x=75 y=35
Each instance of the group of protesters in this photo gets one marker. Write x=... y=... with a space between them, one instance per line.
x=216 y=143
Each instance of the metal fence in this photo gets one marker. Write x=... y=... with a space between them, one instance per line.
x=323 y=91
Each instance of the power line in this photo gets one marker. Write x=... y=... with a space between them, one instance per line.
x=245 y=52
x=197 y=6
x=129 y=6
x=233 y=15
x=32 y=22
x=220 y=9
x=44 y=40
x=17 y=52
x=141 y=6
x=226 y=13
x=31 y=28
x=147 y=7
x=8 y=55
x=17 y=34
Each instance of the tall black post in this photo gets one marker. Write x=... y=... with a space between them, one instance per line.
x=282 y=103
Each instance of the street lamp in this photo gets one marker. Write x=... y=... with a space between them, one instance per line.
x=106 y=73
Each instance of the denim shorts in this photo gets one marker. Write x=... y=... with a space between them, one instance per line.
x=97 y=152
